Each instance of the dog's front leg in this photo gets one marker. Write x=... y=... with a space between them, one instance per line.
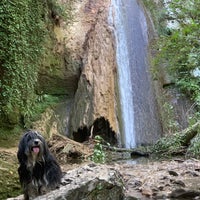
x=42 y=190
x=30 y=191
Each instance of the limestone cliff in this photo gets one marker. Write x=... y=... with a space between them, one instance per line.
x=59 y=70
x=95 y=99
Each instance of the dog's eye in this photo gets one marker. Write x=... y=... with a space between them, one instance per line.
x=28 y=136
x=40 y=137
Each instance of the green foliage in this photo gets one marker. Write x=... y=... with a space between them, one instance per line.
x=186 y=141
x=169 y=123
x=99 y=155
x=194 y=148
x=22 y=24
x=168 y=145
x=10 y=137
x=64 y=11
x=194 y=118
x=158 y=13
x=42 y=103
x=9 y=178
x=180 y=49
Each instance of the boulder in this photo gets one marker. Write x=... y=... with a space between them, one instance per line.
x=185 y=194
x=90 y=181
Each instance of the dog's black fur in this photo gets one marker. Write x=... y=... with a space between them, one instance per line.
x=38 y=171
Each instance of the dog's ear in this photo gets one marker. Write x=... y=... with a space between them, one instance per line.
x=46 y=149
x=21 y=151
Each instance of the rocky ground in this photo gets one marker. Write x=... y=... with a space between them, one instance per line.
x=168 y=179
x=171 y=179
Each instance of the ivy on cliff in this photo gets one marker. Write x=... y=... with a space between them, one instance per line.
x=22 y=24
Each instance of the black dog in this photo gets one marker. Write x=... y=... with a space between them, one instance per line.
x=38 y=171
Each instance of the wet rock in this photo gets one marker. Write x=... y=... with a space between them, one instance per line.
x=173 y=173
x=161 y=187
x=131 y=198
x=137 y=183
x=197 y=169
x=192 y=173
x=179 y=160
x=179 y=182
x=147 y=192
x=184 y=194
x=164 y=178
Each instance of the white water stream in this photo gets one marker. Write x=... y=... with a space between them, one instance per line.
x=126 y=98
x=140 y=119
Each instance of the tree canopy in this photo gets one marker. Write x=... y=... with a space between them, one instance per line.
x=180 y=47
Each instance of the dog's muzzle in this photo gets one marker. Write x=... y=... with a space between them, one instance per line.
x=36 y=146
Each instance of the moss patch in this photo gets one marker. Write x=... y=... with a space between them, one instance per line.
x=43 y=102
x=9 y=179
x=10 y=137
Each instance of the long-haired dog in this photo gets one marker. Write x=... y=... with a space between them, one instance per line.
x=38 y=171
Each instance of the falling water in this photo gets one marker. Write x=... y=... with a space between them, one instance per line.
x=124 y=75
x=138 y=104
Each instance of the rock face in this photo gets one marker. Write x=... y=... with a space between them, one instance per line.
x=96 y=96
x=89 y=182
x=80 y=63
x=54 y=120
x=59 y=71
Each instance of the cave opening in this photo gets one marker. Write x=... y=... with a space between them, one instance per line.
x=100 y=127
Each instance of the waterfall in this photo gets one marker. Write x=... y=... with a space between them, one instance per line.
x=141 y=124
x=122 y=55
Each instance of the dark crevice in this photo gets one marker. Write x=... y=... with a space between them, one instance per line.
x=81 y=135
x=101 y=127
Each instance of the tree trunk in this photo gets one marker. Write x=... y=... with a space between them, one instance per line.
x=189 y=133
x=177 y=143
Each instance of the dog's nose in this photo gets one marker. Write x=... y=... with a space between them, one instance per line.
x=36 y=141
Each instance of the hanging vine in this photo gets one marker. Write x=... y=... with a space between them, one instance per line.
x=22 y=24
x=24 y=28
